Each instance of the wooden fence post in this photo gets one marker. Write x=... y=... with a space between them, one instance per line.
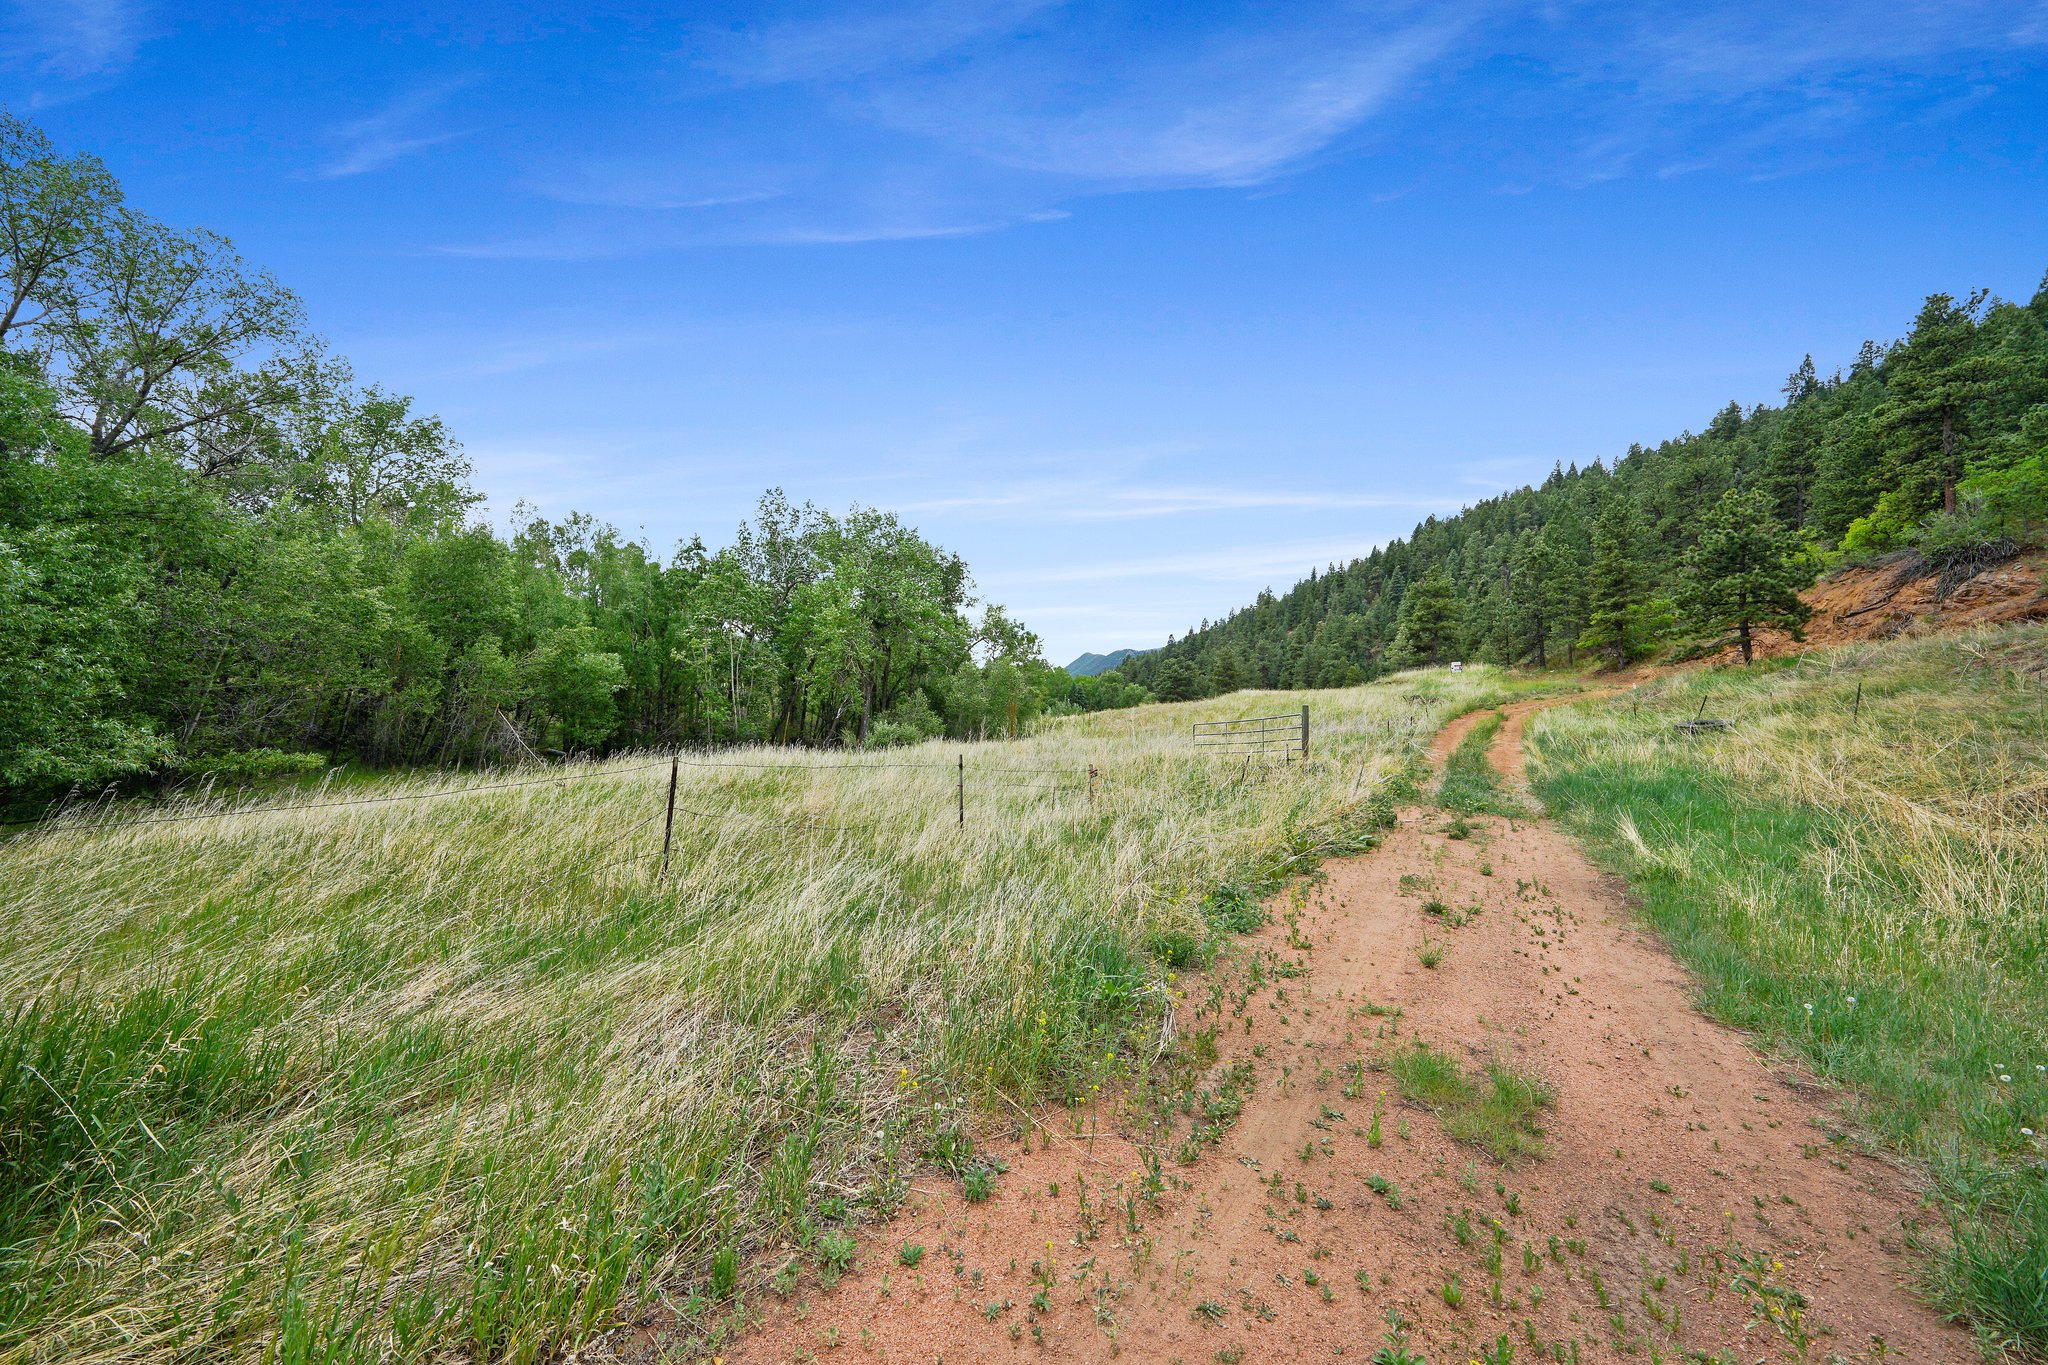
x=1858 y=712
x=963 y=791
x=668 y=824
x=1091 y=784
x=1304 y=732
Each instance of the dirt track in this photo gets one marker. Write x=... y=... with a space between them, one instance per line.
x=1690 y=1197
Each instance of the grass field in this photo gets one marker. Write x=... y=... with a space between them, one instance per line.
x=1864 y=886
x=453 y=1075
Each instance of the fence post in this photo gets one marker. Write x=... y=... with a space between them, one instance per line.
x=1091 y=784
x=1304 y=732
x=668 y=824
x=963 y=791
x=1858 y=712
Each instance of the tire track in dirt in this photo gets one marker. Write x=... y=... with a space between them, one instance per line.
x=1693 y=1199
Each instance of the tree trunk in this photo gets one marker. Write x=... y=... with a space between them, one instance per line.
x=1748 y=646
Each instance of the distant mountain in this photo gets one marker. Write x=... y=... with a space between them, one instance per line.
x=1089 y=665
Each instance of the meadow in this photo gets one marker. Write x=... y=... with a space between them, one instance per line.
x=1856 y=872
x=440 y=1066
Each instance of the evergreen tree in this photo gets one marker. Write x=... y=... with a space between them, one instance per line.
x=1746 y=571
x=1226 y=670
x=1429 y=623
x=1940 y=386
x=1617 y=590
x=1178 y=681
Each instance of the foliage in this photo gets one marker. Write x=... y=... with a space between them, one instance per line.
x=221 y=556
x=1597 y=556
x=1745 y=571
x=1427 y=628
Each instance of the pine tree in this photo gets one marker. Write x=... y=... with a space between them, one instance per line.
x=1428 y=632
x=1746 y=572
x=1617 y=593
x=1178 y=681
x=1803 y=382
x=1544 y=598
x=1226 y=670
x=1940 y=384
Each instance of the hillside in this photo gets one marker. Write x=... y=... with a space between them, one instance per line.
x=1906 y=595
x=1094 y=665
x=1938 y=442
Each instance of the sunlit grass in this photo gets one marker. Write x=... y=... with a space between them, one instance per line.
x=1869 y=888
x=1500 y=1111
x=1469 y=785
x=458 y=1075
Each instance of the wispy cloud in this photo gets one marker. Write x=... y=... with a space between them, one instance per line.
x=396 y=131
x=1757 y=89
x=846 y=46
x=923 y=119
x=1087 y=501
x=1234 y=108
x=1280 y=561
x=72 y=39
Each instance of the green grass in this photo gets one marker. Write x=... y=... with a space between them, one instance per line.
x=457 y=1077
x=1869 y=893
x=1499 y=1114
x=1469 y=785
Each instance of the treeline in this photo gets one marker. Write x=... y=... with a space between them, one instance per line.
x=222 y=554
x=1935 y=445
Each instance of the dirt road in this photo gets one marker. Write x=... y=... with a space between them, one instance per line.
x=1692 y=1198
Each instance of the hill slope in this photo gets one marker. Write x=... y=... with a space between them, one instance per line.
x=1093 y=665
x=1939 y=440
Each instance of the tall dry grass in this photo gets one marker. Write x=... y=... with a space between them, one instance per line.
x=1865 y=884
x=454 y=1074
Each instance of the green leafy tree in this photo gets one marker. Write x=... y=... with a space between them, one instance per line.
x=1746 y=571
x=72 y=615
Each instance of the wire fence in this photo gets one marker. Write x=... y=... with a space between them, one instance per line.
x=1285 y=738
x=100 y=815
x=1282 y=737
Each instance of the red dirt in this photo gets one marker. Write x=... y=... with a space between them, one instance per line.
x=1678 y=1162
x=1861 y=604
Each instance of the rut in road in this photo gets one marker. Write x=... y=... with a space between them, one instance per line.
x=1691 y=1198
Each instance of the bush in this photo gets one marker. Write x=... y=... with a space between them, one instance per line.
x=2013 y=501
x=1887 y=527
x=910 y=721
x=253 y=765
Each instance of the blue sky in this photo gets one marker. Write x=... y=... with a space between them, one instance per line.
x=1140 y=308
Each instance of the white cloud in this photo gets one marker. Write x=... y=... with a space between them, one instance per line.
x=1237 y=109
x=74 y=39
x=392 y=133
